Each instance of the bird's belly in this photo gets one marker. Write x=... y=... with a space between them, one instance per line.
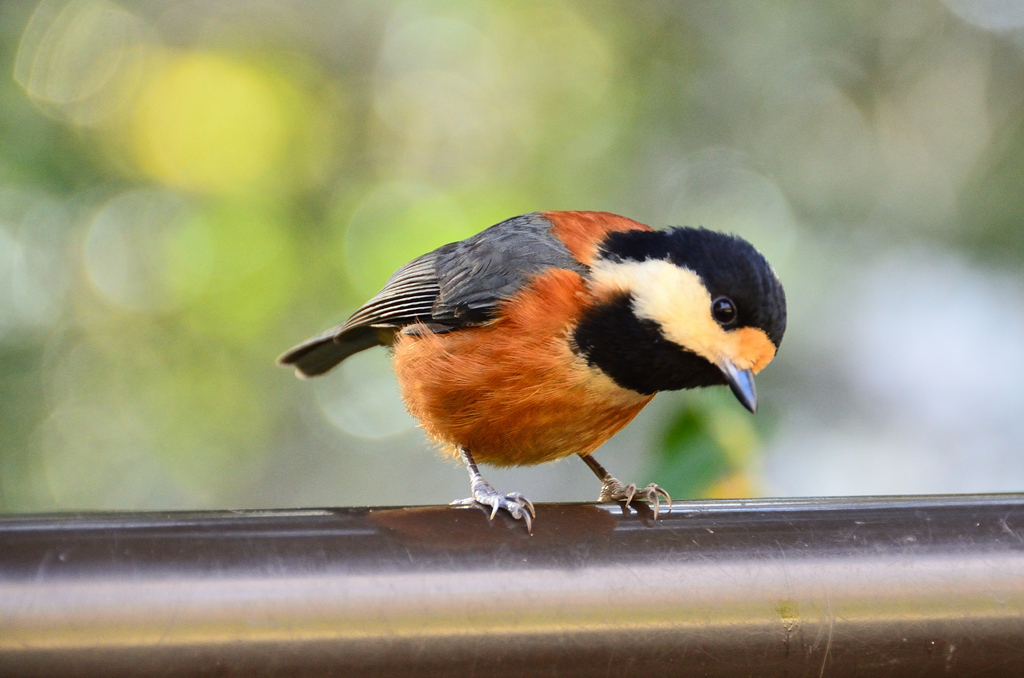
x=511 y=400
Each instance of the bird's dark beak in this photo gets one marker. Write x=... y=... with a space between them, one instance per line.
x=742 y=384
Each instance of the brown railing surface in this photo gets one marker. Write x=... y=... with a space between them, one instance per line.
x=890 y=586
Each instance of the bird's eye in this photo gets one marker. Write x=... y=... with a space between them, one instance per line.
x=723 y=310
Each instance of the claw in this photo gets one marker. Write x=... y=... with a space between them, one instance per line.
x=523 y=502
x=518 y=506
x=613 y=490
x=630 y=493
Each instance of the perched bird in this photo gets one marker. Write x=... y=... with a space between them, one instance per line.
x=544 y=335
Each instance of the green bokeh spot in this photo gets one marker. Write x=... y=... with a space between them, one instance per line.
x=690 y=459
x=250 y=268
x=396 y=224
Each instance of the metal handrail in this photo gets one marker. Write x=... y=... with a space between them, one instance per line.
x=892 y=586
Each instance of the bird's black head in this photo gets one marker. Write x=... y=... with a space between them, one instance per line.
x=682 y=308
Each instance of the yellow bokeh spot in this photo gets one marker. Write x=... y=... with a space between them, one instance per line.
x=210 y=123
x=735 y=434
x=736 y=486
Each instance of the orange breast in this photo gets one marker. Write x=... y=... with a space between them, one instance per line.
x=513 y=392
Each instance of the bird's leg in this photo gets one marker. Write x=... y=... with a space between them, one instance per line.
x=613 y=490
x=516 y=504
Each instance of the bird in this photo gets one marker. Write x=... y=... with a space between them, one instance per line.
x=542 y=336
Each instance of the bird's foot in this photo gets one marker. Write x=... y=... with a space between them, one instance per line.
x=613 y=490
x=518 y=506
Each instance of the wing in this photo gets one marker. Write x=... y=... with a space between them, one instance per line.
x=457 y=285
x=407 y=296
x=480 y=272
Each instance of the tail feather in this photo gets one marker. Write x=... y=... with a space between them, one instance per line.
x=322 y=352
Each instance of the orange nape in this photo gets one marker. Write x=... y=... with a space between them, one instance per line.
x=581 y=232
x=513 y=392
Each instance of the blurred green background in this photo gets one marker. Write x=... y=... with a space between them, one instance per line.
x=187 y=189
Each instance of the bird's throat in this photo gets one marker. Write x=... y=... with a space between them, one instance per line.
x=635 y=354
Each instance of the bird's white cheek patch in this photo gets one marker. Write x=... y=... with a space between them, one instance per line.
x=676 y=299
x=672 y=296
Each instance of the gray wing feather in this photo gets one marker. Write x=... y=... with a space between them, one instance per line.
x=406 y=297
x=480 y=272
x=457 y=285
